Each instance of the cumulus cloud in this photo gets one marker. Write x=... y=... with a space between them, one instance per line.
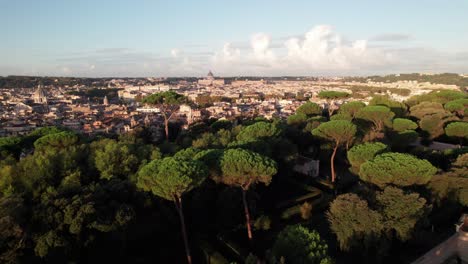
x=319 y=50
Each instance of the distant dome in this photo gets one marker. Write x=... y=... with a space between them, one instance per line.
x=210 y=76
x=39 y=96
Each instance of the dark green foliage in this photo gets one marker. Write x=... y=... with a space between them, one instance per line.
x=243 y=168
x=297 y=119
x=379 y=116
x=296 y=244
x=449 y=189
x=56 y=140
x=457 y=106
x=313 y=123
x=433 y=125
x=453 y=185
x=72 y=222
x=401 y=140
x=458 y=130
x=259 y=130
x=395 y=215
x=115 y=159
x=400 y=109
x=354 y=223
x=338 y=131
x=361 y=153
x=186 y=154
x=402 y=124
x=9 y=147
x=396 y=169
x=221 y=124
x=341 y=117
x=426 y=108
x=460 y=165
x=12 y=231
x=56 y=157
x=400 y=211
x=333 y=94
x=40 y=132
x=211 y=158
x=256 y=145
x=170 y=178
x=70 y=198
x=351 y=108
x=8 y=178
x=205 y=141
x=309 y=109
x=432 y=118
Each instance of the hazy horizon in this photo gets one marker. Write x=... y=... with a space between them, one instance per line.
x=242 y=38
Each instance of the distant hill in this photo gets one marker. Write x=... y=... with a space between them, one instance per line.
x=443 y=78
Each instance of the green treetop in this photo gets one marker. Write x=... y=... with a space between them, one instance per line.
x=171 y=178
x=259 y=130
x=458 y=106
x=115 y=159
x=400 y=109
x=380 y=116
x=309 y=109
x=56 y=140
x=402 y=124
x=244 y=168
x=396 y=169
x=432 y=118
x=296 y=244
x=458 y=130
x=331 y=97
x=297 y=120
x=361 y=153
x=168 y=102
x=351 y=108
x=340 y=132
x=353 y=222
x=400 y=211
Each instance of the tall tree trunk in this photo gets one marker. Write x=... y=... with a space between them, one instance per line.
x=247 y=214
x=166 y=128
x=184 y=232
x=332 y=163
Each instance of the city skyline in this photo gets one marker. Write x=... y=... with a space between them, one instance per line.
x=151 y=38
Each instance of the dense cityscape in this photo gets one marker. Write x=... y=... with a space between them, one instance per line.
x=232 y=132
x=114 y=105
x=93 y=157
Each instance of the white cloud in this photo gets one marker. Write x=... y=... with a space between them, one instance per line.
x=175 y=53
x=260 y=44
x=319 y=50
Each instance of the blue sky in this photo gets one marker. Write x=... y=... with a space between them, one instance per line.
x=187 y=38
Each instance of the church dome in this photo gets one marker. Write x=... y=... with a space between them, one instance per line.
x=39 y=96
